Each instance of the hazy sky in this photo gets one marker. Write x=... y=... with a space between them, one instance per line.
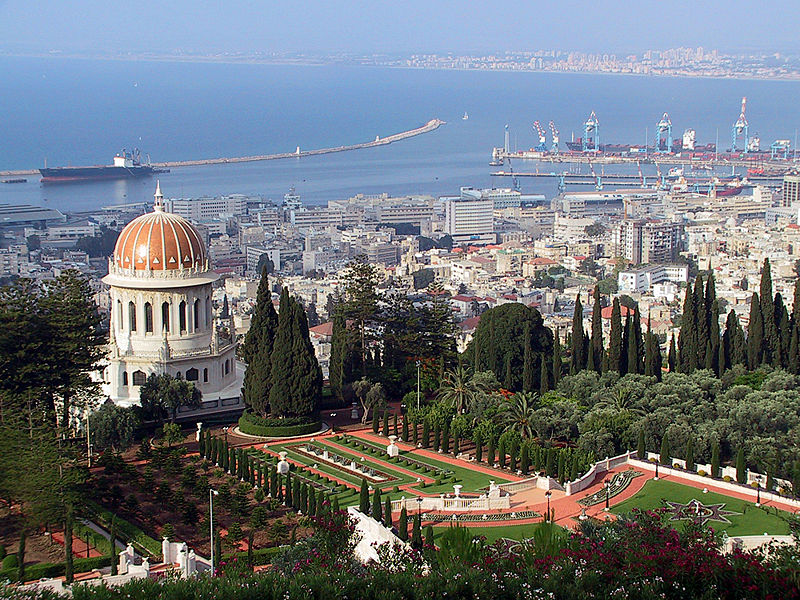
x=397 y=26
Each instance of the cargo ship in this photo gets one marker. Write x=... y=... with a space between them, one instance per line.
x=126 y=165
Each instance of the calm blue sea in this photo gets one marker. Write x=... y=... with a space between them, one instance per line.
x=81 y=112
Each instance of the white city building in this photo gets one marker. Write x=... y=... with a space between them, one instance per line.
x=162 y=318
x=469 y=218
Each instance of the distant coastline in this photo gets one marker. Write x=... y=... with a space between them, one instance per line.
x=323 y=62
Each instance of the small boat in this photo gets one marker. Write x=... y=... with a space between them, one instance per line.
x=465 y=117
x=20 y=180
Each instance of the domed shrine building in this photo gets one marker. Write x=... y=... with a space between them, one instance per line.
x=162 y=317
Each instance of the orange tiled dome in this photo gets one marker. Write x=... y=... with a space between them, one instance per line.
x=159 y=241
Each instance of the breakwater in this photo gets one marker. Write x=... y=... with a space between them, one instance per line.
x=431 y=125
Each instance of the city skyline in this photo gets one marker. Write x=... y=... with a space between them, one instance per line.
x=731 y=27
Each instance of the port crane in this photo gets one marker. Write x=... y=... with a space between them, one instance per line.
x=664 y=135
x=739 y=129
x=598 y=180
x=554 y=133
x=780 y=149
x=591 y=134
x=542 y=147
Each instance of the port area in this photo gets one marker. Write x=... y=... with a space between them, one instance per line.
x=431 y=125
x=726 y=160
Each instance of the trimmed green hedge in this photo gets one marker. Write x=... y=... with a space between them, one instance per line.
x=254 y=425
x=47 y=570
x=261 y=556
x=127 y=532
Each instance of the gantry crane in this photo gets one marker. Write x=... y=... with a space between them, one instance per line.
x=554 y=133
x=664 y=135
x=739 y=129
x=542 y=147
x=591 y=134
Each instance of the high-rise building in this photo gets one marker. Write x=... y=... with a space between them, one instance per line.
x=469 y=217
x=648 y=241
x=791 y=190
x=199 y=209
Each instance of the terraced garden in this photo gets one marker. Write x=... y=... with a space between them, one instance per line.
x=401 y=473
x=735 y=516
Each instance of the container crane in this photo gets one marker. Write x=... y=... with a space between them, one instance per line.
x=664 y=135
x=542 y=147
x=739 y=129
x=554 y=133
x=591 y=134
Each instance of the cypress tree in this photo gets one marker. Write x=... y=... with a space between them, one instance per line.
x=426 y=433
x=524 y=458
x=687 y=335
x=649 y=353
x=641 y=453
x=394 y=424
x=590 y=358
x=375 y=422
x=741 y=466
x=416 y=533
x=336 y=362
x=501 y=453
x=794 y=351
x=755 y=335
x=437 y=432
x=664 y=457
x=578 y=358
x=304 y=498
x=402 y=525
x=376 y=504
x=527 y=361
x=615 y=339
x=429 y=536
x=296 y=375
x=273 y=483
x=386 y=422
x=770 y=330
x=387 y=513
x=544 y=377
x=549 y=462
x=256 y=350
x=288 y=490
x=708 y=362
x=672 y=355
x=721 y=360
x=296 y=494
x=701 y=320
x=446 y=437
x=556 y=360
x=715 y=460
x=202 y=448
x=628 y=347
x=112 y=542
x=714 y=333
x=638 y=338
x=68 y=559
x=784 y=331
x=689 y=455
x=415 y=433
x=363 y=498
x=404 y=435
x=508 y=379
x=597 y=331
x=490 y=452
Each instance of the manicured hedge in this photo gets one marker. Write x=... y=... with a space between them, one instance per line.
x=127 y=532
x=255 y=425
x=47 y=570
x=261 y=556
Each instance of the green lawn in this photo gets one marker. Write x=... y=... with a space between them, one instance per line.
x=472 y=480
x=749 y=520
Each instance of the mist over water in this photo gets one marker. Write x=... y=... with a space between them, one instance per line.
x=81 y=112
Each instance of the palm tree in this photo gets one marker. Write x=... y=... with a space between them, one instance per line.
x=459 y=389
x=620 y=400
x=517 y=413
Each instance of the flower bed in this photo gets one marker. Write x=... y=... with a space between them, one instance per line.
x=341 y=463
x=472 y=517
x=618 y=483
x=403 y=457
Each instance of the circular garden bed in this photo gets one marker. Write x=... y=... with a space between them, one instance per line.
x=252 y=424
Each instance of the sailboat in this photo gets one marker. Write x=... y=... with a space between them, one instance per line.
x=465 y=117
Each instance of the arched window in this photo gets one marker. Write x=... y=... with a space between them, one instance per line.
x=208 y=312
x=205 y=375
x=222 y=369
x=182 y=315
x=192 y=374
x=227 y=367
x=148 y=317
x=132 y=316
x=120 y=317
x=178 y=375
x=139 y=378
x=165 y=316
x=125 y=378
x=196 y=315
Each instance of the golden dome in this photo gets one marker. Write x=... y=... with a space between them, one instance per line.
x=160 y=241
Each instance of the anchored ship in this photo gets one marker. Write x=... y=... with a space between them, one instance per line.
x=126 y=165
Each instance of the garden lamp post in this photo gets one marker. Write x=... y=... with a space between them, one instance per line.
x=419 y=507
x=225 y=429
x=211 y=493
x=656 y=477
x=758 y=490
x=419 y=364
x=547 y=495
x=607 y=483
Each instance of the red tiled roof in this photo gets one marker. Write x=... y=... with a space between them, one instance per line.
x=541 y=260
x=323 y=329
x=624 y=311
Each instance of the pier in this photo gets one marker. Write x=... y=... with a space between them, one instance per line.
x=431 y=125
